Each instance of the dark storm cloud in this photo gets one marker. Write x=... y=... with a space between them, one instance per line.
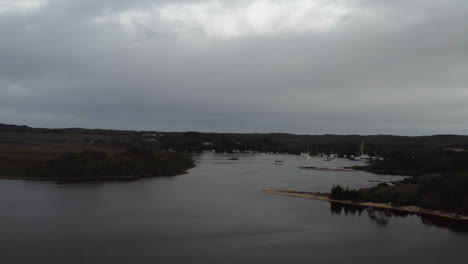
x=338 y=67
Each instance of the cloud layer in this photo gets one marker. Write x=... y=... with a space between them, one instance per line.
x=349 y=66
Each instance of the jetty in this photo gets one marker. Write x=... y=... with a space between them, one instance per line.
x=324 y=169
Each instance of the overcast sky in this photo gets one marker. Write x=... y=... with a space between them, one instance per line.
x=298 y=66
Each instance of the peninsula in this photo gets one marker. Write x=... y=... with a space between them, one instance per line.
x=388 y=206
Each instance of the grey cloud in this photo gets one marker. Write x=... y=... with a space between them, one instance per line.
x=400 y=69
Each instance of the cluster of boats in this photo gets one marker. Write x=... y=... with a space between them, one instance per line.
x=365 y=157
x=329 y=157
x=359 y=157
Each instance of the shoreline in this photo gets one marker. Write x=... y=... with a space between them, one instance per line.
x=127 y=178
x=407 y=209
x=325 y=169
x=99 y=178
x=385 y=172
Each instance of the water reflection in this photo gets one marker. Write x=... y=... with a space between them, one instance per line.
x=382 y=216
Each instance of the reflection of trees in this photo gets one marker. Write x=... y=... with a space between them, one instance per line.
x=337 y=208
x=382 y=216
x=452 y=224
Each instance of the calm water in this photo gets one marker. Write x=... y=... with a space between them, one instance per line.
x=215 y=214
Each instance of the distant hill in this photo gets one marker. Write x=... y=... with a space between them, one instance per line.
x=381 y=145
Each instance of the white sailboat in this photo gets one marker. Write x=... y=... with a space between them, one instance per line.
x=307 y=154
x=361 y=155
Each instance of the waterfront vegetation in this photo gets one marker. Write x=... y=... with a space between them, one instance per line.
x=441 y=160
x=97 y=165
x=80 y=154
x=437 y=192
x=439 y=182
